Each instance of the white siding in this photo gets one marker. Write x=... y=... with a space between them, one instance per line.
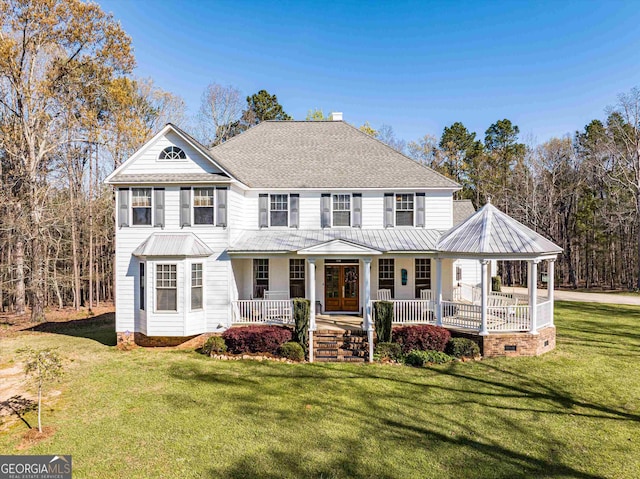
x=217 y=268
x=372 y=210
x=439 y=210
x=148 y=162
x=470 y=271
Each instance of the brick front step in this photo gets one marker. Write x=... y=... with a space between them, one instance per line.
x=340 y=346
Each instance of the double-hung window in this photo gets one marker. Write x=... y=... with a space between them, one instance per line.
x=296 y=278
x=423 y=275
x=341 y=210
x=196 y=286
x=279 y=210
x=166 y=287
x=404 y=209
x=260 y=277
x=386 y=276
x=203 y=206
x=141 y=206
x=142 y=285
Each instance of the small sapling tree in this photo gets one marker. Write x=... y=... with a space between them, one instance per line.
x=44 y=366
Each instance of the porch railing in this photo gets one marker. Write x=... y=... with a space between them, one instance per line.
x=262 y=311
x=508 y=318
x=461 y=315
x=544 y=317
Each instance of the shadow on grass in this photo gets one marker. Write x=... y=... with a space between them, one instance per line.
x=99 y=328
x=254 y=390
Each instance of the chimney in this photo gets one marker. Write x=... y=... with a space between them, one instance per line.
x=336 y=116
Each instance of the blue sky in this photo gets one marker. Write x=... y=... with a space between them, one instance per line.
x=550 y=67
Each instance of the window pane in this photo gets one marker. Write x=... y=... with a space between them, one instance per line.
x=167 y=299
x=386 y=268
x=196 y=298
x=404 y=218
x=279 y=218
x=142 y=216
x=422 y=275
x=341 y=218
x=260 y=277
x=203 y=216
x=203 y=196
x=141 y=197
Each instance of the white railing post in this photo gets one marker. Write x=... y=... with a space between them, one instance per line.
x=312 y=306
x=533 y=296
x=550 y=286
x=483 y=298
x=438 y=291
x=367 y=305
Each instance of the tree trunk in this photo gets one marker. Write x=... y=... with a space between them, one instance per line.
x=19 y=303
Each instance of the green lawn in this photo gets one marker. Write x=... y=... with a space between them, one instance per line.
x=574 y=412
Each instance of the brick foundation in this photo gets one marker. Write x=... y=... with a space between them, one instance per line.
x=519 y=344
x=128 y=340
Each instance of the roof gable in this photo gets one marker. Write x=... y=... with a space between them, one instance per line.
x=321 y=154
x=338 y=247
x=146 y=161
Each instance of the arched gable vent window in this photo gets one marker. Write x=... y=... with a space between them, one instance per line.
x=172 y=153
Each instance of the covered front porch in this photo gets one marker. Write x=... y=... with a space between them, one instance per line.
x=425 y=286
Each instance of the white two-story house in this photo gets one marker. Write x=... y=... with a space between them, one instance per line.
x=206 y=239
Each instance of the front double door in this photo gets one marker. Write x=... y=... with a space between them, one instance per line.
x=341 y=287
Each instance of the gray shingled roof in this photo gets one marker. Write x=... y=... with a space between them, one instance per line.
x=490 y=231
x=462 y=209
x=320 y=154
x=157 y=178
x=293 y=240
x=173 y=244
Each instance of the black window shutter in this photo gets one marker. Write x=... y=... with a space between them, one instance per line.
x=325 y=210
x=357 y=210
x=263 y=205
x=294 y=215
x=388 y=210
x=420 y=212
x=158 y=205
x=221 y=206
x=185 y=207
x=123 y=210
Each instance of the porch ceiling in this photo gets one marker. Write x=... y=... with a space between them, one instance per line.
x=378 y=240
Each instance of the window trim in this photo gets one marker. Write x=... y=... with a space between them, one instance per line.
x=393 y=271
x=288 y=210
x=151 y=207
x=193 y=206
x=180 y=160
x=350 y=195
x=254 y=279
x=395 y=210
x=415 y=276
x=155 y=289
x=304 y=276
x=142 y=287
x=202 y=286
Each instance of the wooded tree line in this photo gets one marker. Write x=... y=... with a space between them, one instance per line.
x=71 y=111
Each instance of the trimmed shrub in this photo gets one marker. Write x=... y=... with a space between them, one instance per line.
x=384 y=316
x=391 y=351
x=422 y=338
x=301 y=315
x=462 y=348
x=214 y=345
x=292 y=351
x=420 y=358
x=496 y=283
x=256 y=339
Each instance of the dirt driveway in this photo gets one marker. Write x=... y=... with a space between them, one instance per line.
x=580 y=296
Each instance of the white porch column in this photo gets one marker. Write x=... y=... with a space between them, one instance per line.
x=550 y=286
x=312 y=306
x=367 y=305
x=483 y=297
x=439 y=291
x=533 y=296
